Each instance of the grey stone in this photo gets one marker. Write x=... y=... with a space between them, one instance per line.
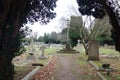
x=93 y=50
x=42 y=56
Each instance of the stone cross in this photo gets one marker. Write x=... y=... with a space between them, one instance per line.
x=68 y=46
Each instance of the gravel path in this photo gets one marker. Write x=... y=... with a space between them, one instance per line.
x=66 y=67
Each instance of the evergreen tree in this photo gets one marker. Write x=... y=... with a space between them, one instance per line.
x=98 y=9
x=14 y=14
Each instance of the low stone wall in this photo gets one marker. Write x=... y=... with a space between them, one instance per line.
x=46 y=72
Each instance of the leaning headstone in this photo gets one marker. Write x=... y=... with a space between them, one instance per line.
x=93 y=50
x=42 y=56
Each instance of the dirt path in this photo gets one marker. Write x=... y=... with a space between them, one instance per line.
x=66 y=67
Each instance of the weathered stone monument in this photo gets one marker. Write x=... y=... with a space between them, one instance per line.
x=42 y=56
x=32 y=50
x=68 y=48
x=78 y=45
x=93 y=50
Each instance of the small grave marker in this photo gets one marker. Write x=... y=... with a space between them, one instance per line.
x=42 y=56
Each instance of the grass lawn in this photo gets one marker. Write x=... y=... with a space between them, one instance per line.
x=21 y=71
x=86 y=71
x=114 y=63
x=49 y=51
x=108 y=51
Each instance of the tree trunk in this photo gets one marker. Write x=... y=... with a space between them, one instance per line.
x=86 y=51
x=115 y=24
x=6 y=67
x=85 y=46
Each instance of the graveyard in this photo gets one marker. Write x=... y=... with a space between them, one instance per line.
x=24 y=63
x=83 y=68
x=86 y=59
x=59 y=39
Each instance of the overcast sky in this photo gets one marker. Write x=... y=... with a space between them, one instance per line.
x=64 y=9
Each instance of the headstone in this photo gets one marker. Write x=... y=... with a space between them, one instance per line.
x=32 y=50
x=106 y=46
x=93 y=50
x=51 y=46
x=68 y=46
x=78 y=45
x=42 y=56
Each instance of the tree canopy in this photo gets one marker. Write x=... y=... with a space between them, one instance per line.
x=75 y=27
x=91 y=7
x=100 y=8
x=93 y=31
x=14 y=14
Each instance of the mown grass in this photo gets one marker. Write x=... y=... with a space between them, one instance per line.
x=80 y=60
x=108 y=51
x=114 y=62
x=86 y=71
x=22 y=71
x=49 y=51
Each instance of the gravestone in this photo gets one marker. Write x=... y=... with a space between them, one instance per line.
x=32 y=50
x=106 y=46
x=78 y=45
x=42 y=56
x=93 y=50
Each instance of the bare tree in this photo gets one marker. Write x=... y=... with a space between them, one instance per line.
x=96 y=28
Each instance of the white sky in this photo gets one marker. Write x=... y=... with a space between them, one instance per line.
x=64 y=9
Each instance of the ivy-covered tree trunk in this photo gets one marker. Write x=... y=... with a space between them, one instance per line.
x=7 y=52
x=10 y=46
x=6 y=67
x=9 y=29
x=13 y=15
